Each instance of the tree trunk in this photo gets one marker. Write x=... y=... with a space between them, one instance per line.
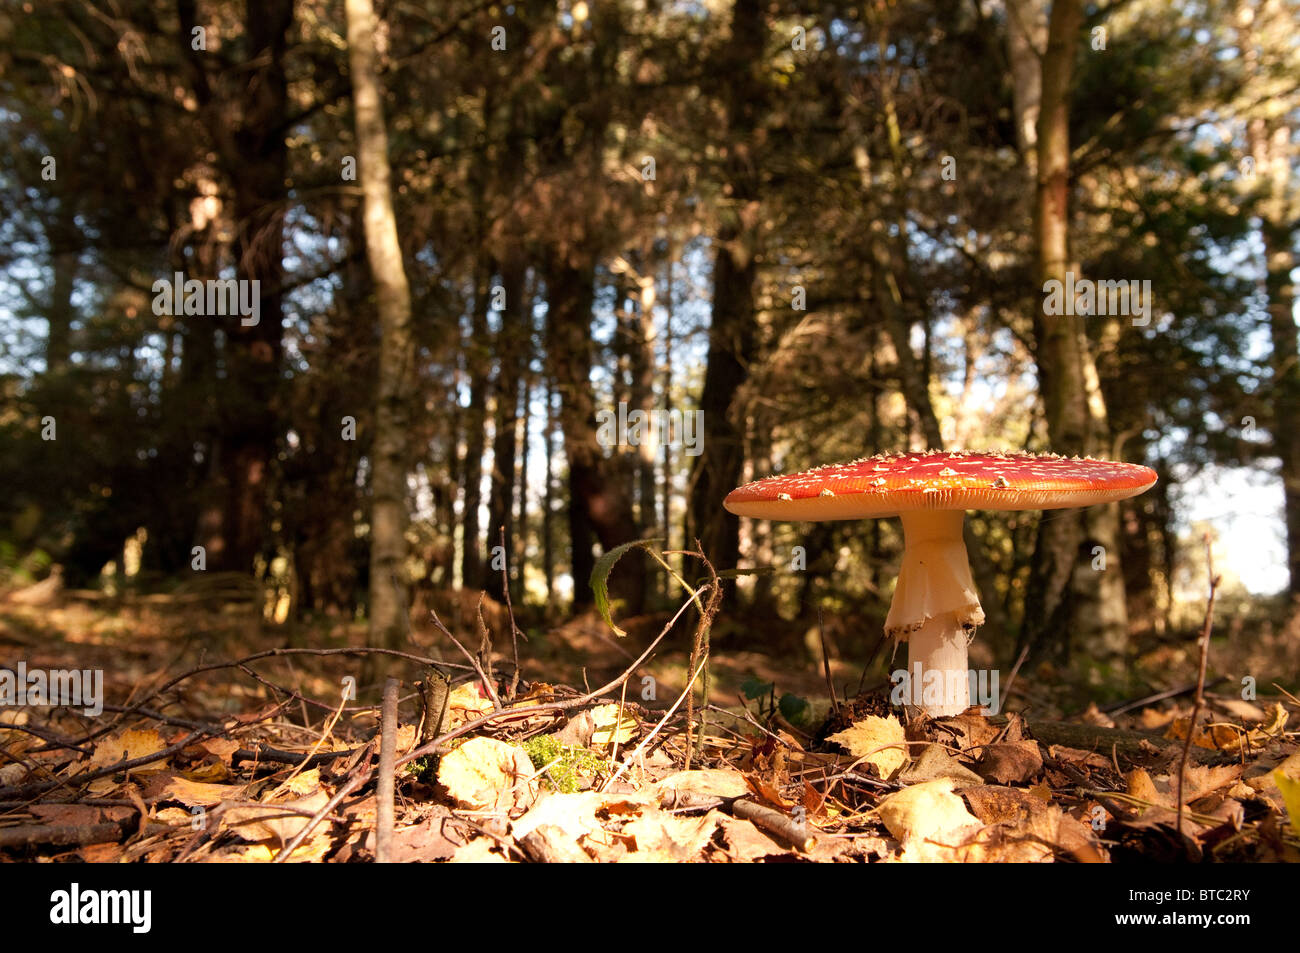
x=732 y=333
x=1075 y=426
x=600 y=506
x=479 y=359
x=516 y=323
x=252 y=392
x=1270 y=144
x=389 y=454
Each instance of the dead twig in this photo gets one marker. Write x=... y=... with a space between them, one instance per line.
x=786 y=828
x=431 y=747
x=384 y=789
x=515 y=632
x=482 y=675
x=826 y=662
x=1011 y=679
x=1120 y=708
x=358 y=777
x=1200 y=677
x=700 y=651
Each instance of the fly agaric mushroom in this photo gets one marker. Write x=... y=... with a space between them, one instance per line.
x=935 y=608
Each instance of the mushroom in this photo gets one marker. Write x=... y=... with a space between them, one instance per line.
x=935 y=608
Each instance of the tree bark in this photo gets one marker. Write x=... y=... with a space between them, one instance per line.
x=512 y=351
x=732 y=333
x=479 y=360
x=600 y=506
x=389 y=454
x=1065 y=594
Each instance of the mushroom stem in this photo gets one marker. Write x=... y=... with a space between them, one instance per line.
x=939 y=647
x=935 y=609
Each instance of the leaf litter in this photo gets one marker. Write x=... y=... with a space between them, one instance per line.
x=208 y=764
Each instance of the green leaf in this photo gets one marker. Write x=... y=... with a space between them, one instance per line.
x=600 y=576
x=794 y=709
x=752 y=688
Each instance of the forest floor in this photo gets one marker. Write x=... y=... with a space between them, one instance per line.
x=212 y=748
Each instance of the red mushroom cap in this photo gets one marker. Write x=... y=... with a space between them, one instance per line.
x=889 y=484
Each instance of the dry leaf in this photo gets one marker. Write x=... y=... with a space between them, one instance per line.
x=973 y=730
x=127 y=746
x=929 y=820
x=305 y=783
x=465 y=703
x=1031 y=823
x=882 y=742
x=935 y=762
x=197 y=793
x=660 y=837
x=704 y=782
x=221 y=748
x=485 y=774
x=746 y=843
x=280 y=821
x=609 y=728
x=1290 y=788
x=1010 y=762
x=478 y=851
x=435 y=838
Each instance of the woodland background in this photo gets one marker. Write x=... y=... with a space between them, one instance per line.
x=826 y=227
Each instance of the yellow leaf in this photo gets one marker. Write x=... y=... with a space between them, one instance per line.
x=880 y=741
x=127 y=746
x=1287 y=776
x=931 y=822
x=487 y=774
x=305 y=783
x=211 y=773
x=280 y=820
x=195 y=793
x=606 y=719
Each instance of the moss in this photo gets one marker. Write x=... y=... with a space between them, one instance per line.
x=423 y=769
x=569 y=767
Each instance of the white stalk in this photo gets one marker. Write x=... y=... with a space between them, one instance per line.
x=935 y=610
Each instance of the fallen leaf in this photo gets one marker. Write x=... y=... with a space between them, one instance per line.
x=1290 y=788
x=1010 y=762
x=881 y=742
x=127 y=746
x=197 y=793
x=746 y=843
x=465 y=703
x=1078 y=757
x=935 y=762
x=703 y=782
x=478 y=851
x=304 y=783
x=661 y=837
x=485 y=774
x=279 y=820
x=437 y=837
x=929 y=820
x=1032 y=824
x=609 y=728
x=221 y=748
x=973 y=730
x=70 y=815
